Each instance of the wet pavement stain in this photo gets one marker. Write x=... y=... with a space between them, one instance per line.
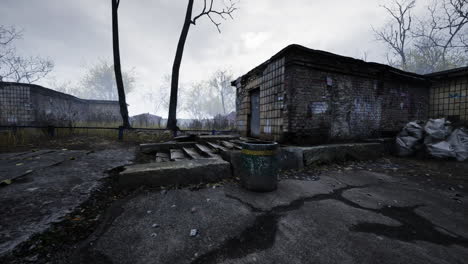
x=261 y=235
x=413 y=227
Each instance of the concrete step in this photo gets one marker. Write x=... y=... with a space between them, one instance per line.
x=166 y=146
x=216 y=146
x=174 y=173
x=162 y=157
x=207 y=151
x=177 y=155
x=227 y=144
x=192 y=153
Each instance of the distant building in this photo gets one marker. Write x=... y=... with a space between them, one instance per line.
x=28 y=104
x=310 y=96
x=146 y=120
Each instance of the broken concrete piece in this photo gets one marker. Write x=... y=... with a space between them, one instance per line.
x=174 y=173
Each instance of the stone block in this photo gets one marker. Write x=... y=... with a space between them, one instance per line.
x=174 y=173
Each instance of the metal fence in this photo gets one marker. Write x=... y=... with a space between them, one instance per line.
x=52 y=130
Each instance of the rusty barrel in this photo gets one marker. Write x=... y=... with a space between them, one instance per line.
x=259 y=166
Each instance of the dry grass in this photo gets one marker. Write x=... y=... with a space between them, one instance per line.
x=10 y=139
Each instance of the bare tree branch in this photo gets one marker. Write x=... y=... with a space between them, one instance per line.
x=395 y=34
x=16 y=68
x=209 y=11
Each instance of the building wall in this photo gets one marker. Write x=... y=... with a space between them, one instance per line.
x=270 y=79
x=24 y=104
x=306 y=99
x=331 y=106
x=449 y=98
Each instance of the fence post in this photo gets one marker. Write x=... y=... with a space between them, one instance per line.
x=51 y=131
x=121 y=131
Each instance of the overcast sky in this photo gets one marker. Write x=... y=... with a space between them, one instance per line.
x=76 y=33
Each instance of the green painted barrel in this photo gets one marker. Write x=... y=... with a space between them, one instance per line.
x=259 y=166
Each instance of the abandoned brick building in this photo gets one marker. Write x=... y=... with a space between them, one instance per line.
x=310 y=96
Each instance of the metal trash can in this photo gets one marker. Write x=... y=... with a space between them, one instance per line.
x=259 y=166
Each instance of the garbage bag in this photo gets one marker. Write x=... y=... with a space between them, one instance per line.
x=406 y=145
x=438 y=128
x=442 y=149
x=409 y=138
x=413 y=129
x=459 y=142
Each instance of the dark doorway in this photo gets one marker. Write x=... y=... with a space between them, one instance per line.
x=255 y=113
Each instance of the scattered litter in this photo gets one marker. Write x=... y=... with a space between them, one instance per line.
x=7 y=182
x=155 y=225
x=149 y=212
x=163 y=191
x=32 y=189
x=154 y=235
x=460 y=186
x=208 y=199
x=196 y=254
x=193 y=232
x=437 y=138
x=173 y=206
x=193 y=210
x=452 y=189
x=19 y=164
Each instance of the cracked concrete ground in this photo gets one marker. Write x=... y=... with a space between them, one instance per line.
x=384 y=211
x=351 y=216
x=42 y=187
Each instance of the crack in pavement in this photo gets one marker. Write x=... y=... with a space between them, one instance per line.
x=261 y=235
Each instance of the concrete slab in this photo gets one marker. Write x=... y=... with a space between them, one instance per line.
x=55 y=187
x=287 y=192
x=174 y=173
x=132 y=236
x=342 y=152
x=150 y=148
x=15 y=166
x=325 y=221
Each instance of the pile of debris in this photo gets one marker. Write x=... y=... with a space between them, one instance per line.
x=435 y=137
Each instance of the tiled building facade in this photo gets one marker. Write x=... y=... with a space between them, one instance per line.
x=28 y=104
x=311 y=96
x=449 y=95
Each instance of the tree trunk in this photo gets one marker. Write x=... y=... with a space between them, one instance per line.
x=222 y=102
x=117 y=68
x=172 y=118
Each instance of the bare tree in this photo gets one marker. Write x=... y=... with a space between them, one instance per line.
x=99 y=82
x=17 y=68
x=209 y=11
x=443 y=34
x=221 y=82
x=117 y=68
x=397 y=31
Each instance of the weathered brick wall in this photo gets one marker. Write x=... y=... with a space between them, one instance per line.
x=334 y=106
x=449 y=98
x=24 y=104
x=309 y=96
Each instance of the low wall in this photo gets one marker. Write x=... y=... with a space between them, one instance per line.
x=28 y=104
